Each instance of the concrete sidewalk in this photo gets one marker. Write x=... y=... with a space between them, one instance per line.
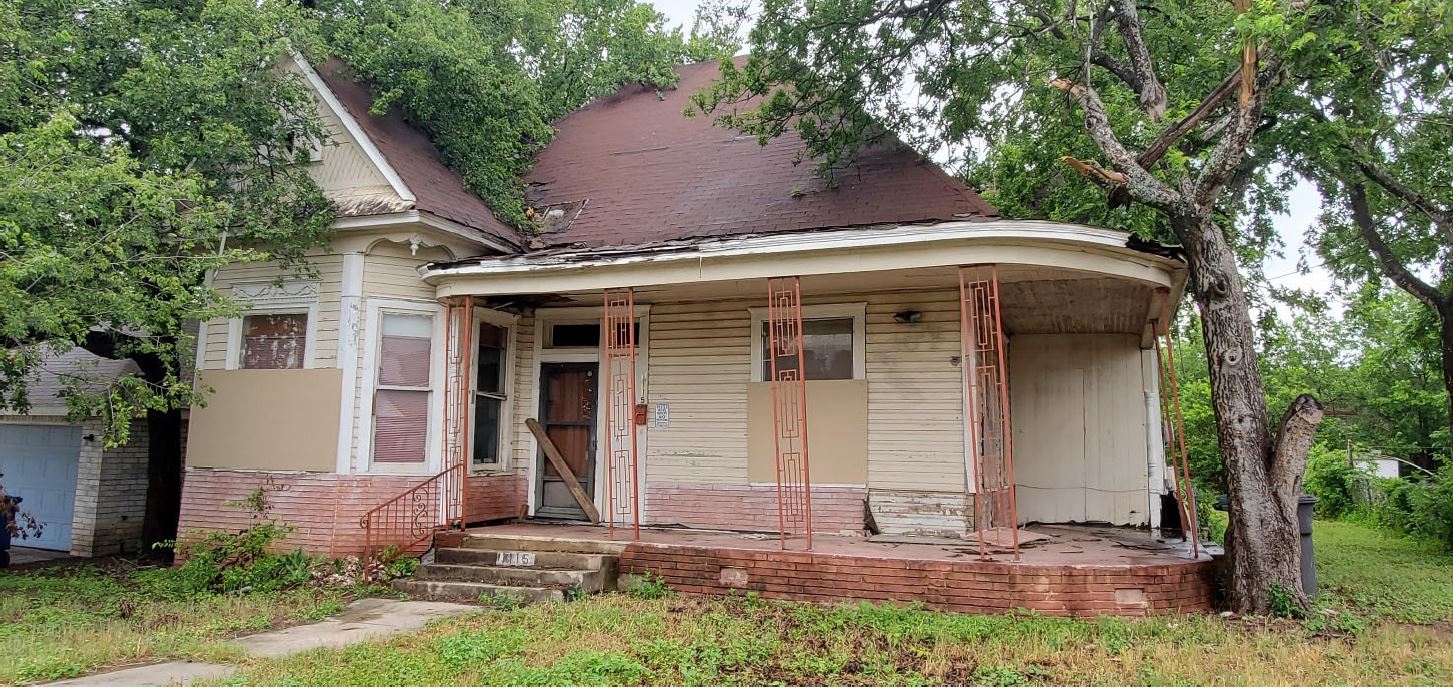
x=369 y=618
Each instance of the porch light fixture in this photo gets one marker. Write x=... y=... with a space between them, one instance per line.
x=909 y=316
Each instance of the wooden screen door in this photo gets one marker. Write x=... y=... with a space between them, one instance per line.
x=567 y=412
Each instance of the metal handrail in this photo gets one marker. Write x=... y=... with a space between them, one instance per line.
x=412 y=517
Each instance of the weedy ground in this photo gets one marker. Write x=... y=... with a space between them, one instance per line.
x=1384 y=619
x=67 y=620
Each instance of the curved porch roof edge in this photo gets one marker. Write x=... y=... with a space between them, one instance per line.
x=1020 y=242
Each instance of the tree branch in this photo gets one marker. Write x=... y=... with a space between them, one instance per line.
x=1162 y=143
x=1442 y=218
x=1391 y=265
x=1152 y=93
x=1143 y=186
x=1232 y=148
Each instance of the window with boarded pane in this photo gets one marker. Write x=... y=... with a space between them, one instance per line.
x=402 y=393
x=828 y=343
x=490 y=394
x=274 y=340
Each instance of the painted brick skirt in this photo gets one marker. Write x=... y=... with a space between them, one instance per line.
x=958 y=586
x=323 y=509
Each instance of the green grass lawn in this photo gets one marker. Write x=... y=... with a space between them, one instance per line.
x=1385 y=617
x=63 y=621
x=1374 y=585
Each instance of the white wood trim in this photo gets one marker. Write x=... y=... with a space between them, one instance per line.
x=350 y=315
x=354 y=129
x=901 y=247
x=509 y=322
x=858 y=311
x=373 y=331
x=1154 y=440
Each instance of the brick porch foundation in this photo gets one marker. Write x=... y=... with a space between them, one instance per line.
x=961 y=586
x=749 y=507
x=323 y=509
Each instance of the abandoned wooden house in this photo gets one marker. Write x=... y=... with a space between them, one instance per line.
x=708 y=364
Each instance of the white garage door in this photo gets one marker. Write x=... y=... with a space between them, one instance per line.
x=40 y=463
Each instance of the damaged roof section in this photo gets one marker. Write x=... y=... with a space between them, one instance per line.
x=437 y=189
x=632 y=169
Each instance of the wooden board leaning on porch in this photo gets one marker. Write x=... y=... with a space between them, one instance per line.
x=558 y=461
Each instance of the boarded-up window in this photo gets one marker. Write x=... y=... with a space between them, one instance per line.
x=489 y=392
x=401 y=400
x=274 y=340
x=828 y=343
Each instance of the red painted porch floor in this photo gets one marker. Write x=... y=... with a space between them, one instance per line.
x=1075 y=570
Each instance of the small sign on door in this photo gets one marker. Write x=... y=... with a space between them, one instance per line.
x=515 y=559
x=662 y=418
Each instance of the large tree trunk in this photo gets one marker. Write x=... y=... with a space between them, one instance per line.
x=1445 y=331
x=1263 y=477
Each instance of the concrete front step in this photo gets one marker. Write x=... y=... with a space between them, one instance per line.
x=541 y=544
x=512 y=558
x=587 y=580
x=475 y=592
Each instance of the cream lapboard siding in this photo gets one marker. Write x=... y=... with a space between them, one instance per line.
x=700 y=361
x=329 y=269
x=1078 y=410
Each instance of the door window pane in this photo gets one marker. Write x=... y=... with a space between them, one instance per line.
x=575 y=335
x=274 y=340
x=828 y=343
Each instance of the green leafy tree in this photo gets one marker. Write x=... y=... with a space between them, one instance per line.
x=141 y=145
x=1173 y=98
x=1373 y=126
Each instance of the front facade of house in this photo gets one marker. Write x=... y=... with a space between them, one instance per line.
x=430 y=336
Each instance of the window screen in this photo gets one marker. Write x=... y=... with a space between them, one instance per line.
x=274 y=340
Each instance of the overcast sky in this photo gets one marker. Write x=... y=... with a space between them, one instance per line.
x=1304 y=203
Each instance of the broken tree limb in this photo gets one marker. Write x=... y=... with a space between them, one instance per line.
x=557 y=460
x=1151 y=92
x=1213 y=100
x=1294 y=440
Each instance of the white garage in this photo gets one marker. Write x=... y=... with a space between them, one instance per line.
x=89 y=500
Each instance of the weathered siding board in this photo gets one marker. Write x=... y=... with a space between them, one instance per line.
x=699 y=364
x=390 y=270
x=1080 y=450
x=915 y=393
x=520 y=455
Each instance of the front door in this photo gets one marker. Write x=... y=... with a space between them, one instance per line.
x=567 y=412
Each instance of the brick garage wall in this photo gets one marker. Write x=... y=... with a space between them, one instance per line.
x=324 y=509
x=972 y=586
x=111 y=490
x=749 y=507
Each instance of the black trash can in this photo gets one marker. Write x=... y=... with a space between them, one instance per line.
x=1304 y=526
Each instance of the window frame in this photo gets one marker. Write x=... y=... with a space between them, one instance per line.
x=508 y=322
x=376 y=310
x=857 y=311
x=269 y=297
x=236 y=333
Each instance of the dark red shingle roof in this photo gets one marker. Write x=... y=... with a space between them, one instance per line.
x=645 y=172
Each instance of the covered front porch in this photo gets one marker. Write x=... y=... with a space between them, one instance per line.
x=860 y=381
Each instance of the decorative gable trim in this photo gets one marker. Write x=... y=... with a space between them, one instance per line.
x=354 y=130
